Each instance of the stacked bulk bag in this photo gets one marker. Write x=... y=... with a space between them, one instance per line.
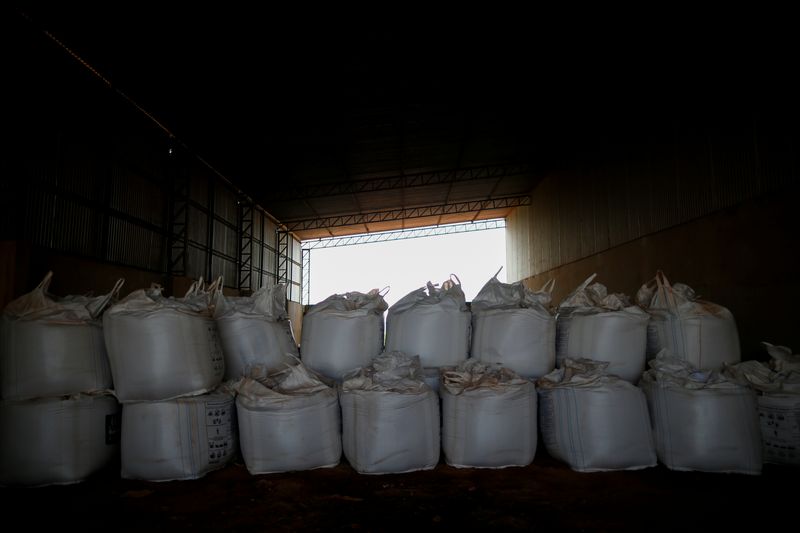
x=777 y=386
x=183 y=438
x=489 y=417
x=390 y=417
x=782 y=359
x=58 y=424
x=594 y=421
x=434 y=325
x=255 y=331
x=53 y=347
x=288 y=421
x=57 y=440
x=512 y=326
x=583 y=297
x=343 y=332
x=702 y=333
x=162 y=348
x=702 y=420
x=593 y=324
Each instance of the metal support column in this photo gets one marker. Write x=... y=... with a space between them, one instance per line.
x=245 y=247
x=179 y=224
x=282 y=242
x=210 y=229
x=305 y=293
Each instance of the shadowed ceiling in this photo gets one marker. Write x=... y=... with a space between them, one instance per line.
x=346 y=127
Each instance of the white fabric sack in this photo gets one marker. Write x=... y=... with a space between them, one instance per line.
x=52 y=347
x=342 y=333
x=434 y=325
x=593 y=324
x=701 y=420
x=489 y=417
x=390 y=417
x=594 y=421
x=584 y=296
x=178 y=439
x=254 y=331
x=512 y=326
x=778 y=393
x=617 y=337
x=162 y=348
x=702 y=333
x=782 y=359
x=57 y=440
x=288 y=421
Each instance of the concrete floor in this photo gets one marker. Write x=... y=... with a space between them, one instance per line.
x=546 y=495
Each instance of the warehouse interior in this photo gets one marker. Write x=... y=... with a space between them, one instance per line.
x=166 y=146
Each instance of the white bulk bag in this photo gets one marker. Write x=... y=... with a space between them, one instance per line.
x=512 y=326
x=390 y=417
x=778 y=394
x=594 y=421
x=617 y=337
x=254 y=331
x=435 y=326
x=701 y=420
x=53 y=347
x=57 y=440
x=489 y=417
x=162 y=348
x=343 y=332
x=178 y=439
x=782 y=359
x=603 y=327
x=584 y=296
x=702 y=333
x=288 y=421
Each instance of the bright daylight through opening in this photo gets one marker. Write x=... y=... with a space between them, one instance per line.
x=406 y=265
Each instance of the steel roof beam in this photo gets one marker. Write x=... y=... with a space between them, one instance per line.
x=406 y=213
x=410 y=233
x=399 y=182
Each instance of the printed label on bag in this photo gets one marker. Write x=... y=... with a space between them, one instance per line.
x=780 y=429
x=219 y=429
x=217 y=360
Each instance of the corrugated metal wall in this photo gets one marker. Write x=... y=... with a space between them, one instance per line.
x=86 y=173
x=624 y=191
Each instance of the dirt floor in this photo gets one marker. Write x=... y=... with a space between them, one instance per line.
x=546 y=495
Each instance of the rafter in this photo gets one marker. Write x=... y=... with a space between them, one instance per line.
x=406 y=213
x=399 y=182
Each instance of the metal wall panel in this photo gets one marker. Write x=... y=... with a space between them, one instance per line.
x=221 y=266
x=624 y=192
x=258 y=226
x=270 y=263
x=196 y=261
x=138 y=196
x=198 y=186
x=226 y=239
x=78 y=227
x=225 y=205
x=94 y=176
x=136 y=246
x=198 y=226
x=38 y=226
